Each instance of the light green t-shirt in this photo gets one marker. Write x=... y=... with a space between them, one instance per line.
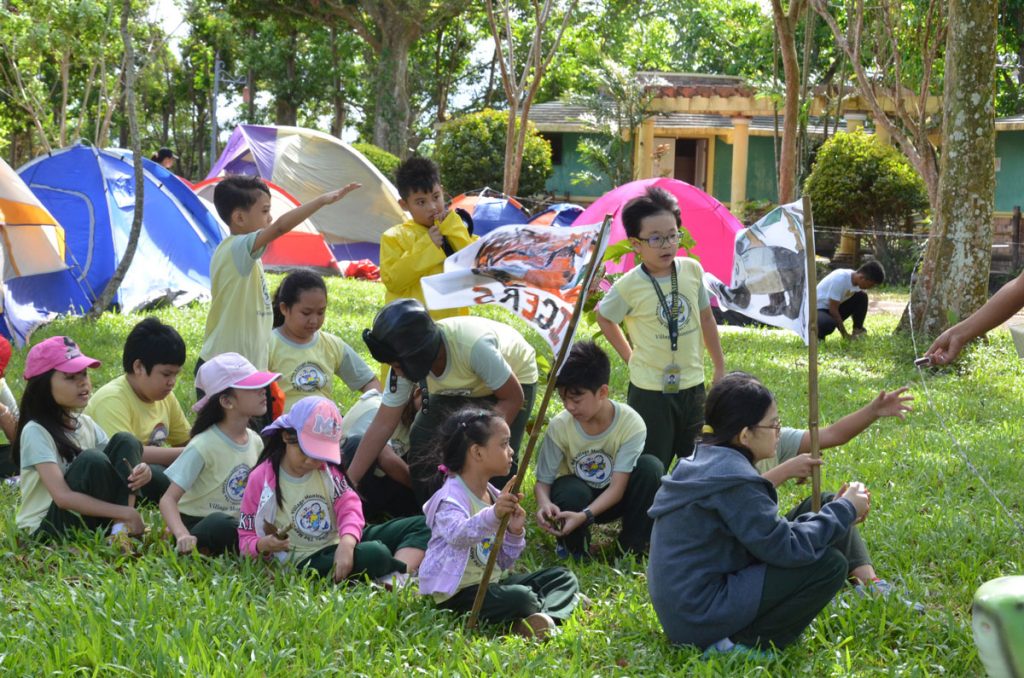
x=307 y=505
x=37 y=447
x=213 y=469
x=240 y=317
x=308 y=368
x=632 y=299
x=358 y=419
x=116 y=408
x=568 y=450
x=787 y=448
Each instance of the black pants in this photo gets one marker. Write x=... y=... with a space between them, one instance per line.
x=554 y=591
x=215 y=534
x=8 y=468
x=381 y=495
x=855 y=307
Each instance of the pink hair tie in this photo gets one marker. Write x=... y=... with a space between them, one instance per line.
x=443 y=469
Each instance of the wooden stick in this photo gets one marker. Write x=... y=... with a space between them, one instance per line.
x=812 y=353
x=524 y=463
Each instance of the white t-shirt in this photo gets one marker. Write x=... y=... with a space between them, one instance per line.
x=836 y=286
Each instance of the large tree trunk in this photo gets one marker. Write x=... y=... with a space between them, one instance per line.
x=785 y=28
x=391 y=108
x=953 y=280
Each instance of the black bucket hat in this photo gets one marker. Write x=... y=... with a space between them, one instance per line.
x=404 y=332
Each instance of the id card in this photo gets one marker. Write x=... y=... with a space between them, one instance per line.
x=670 y=379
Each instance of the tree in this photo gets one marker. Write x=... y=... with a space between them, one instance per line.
x=521 y=85
x=786 y=21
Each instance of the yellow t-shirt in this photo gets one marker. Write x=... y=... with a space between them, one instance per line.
x=478 y=554
x=116 y=408
x=568 y=450
x=213 y=470
x=357 y=420
x=309 y=507
x=632 y=299
x=308 y=368
x=240 y=316
x=481 y=355
x=37 y=447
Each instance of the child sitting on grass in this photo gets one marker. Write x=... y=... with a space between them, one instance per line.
x=202 y=505
x=299 y=506
x=473 y=446
x=8 y=414
x=590 y=467
x=72 y=475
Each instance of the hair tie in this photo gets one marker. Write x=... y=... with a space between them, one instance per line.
x=443 y=469
x=707 y=429
x=462 y=425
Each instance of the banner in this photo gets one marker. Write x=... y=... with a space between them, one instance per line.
x=769 y=272
x=534 y=271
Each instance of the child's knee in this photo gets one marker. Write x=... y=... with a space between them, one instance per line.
x=373 y=558
x=834 y=566
x=648 y=466
x=521 y=601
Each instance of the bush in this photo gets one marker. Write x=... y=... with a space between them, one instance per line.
x=471 y=153
x=381 y=159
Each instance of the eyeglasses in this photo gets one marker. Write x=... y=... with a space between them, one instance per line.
x=659 y=241
x=777 y=426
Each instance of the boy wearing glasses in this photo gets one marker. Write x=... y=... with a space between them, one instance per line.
x=668 y=316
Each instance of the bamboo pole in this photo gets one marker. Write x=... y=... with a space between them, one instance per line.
x=812 y=353
x=524 y=463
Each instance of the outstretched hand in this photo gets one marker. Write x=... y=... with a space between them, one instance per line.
x=892 y=403
x=332 y=197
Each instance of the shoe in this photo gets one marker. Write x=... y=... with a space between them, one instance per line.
x=562 y=552
x=858 y=331
x=727 y=647
x=882 y=589
x=394 y=581
x=538 y=626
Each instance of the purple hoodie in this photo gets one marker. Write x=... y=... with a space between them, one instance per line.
x=454 y=531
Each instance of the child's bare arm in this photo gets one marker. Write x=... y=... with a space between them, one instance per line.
x=709 y=331
x=293 y=218
x=394 y=467
x=615 y=336
x=885 y=404
x=1000 y=308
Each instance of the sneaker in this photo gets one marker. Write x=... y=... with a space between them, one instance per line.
x=562 y=552
x=538 y=626
x=882 y=589
x=727 y=647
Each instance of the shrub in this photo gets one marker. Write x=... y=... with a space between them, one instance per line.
x=386 y=162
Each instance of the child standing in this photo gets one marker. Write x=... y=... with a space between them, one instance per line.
x=306 y=355
x=843 y=294
x=241 y=317
x=464 y=515
x=72 y=475
x=418 y=247
x=8 y=414
x=668 y=325
x=590 y=467
x=202 y=505
x=298 y=484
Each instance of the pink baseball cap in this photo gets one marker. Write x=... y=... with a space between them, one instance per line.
x=229 y=370
x=57 y=353
x=318 y=423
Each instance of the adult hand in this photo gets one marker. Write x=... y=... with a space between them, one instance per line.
x=571 y=520
x=892 y=403
x=946 y=347
x=547 y=518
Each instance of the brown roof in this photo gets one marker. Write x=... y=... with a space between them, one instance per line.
x=696 y=85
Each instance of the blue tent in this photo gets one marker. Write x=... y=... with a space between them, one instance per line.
x=559 y=214
x=91 y=193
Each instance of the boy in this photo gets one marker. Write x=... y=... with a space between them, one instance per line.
x=418 y=247
x=843 y=293
x=669 y=326
x=241 y=316
x=590 y=467
x=141 y=402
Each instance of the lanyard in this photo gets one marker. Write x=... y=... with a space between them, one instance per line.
x=671 y=314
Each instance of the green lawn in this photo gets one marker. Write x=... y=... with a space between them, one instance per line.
x=85 y=609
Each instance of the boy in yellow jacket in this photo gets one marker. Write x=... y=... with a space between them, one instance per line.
x=419 y=246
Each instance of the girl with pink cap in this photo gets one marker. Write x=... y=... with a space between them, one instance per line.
x=299 y=506
x=72 y=474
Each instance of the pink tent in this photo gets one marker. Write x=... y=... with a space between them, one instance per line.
x=712 y=226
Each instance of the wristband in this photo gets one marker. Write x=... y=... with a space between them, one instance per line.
x=590 y=516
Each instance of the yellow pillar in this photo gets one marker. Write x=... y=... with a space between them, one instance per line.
x=848 y=243
x=855 y=121
x=882 y=134
x=740 y=147
x=643 y=162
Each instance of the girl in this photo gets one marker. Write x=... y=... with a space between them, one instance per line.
x=72 y=475
x=202 y=504
x=464 y=515
x=306 y=356
x=725 y=571
x=298 y=505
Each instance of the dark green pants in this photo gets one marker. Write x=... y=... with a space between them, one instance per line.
x=792 y=597
x=554 y=591
x=570 y=493
x=851 y=544
x=382 y=496
x=158 y=484
x=215 y=534
x=424 y=427
x=673 y=420
x=101 y=474
x=8 y=469
x=374 y=555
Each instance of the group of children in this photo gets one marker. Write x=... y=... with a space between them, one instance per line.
x=429 y=448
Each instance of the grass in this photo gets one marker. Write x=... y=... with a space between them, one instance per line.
x=86 y=609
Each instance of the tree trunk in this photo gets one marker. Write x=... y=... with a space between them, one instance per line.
x=953 y=280
x=785 y=27
x=392 y=116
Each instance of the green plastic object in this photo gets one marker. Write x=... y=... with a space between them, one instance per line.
x=998 y=614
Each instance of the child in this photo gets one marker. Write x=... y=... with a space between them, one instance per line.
x=418 y=247
x=307 y=356
x=141 y=402
x=8 y=414
x=997 y=310
x=72 y=475
x=843 y=293
x=241 y=317
x=464 y=515
x=590 y=467
x=299 y=485
x=666 y=372
x=202 y=505
x=458 y=361
x=725 y=571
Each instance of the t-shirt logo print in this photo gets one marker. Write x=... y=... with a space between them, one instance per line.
x=311 y=518
x=308 y=377
x=593 y=467
x=482 y=552
x=234 y=485
x=680 y=308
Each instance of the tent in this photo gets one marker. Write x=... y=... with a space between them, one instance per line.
x=306 y=163
x=712 y=226
x=490 y=211
x=33 y=241
x=559 y=214
x=302 y=246
x=91 y=192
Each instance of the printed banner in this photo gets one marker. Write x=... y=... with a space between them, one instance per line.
x=769 y=272
x=534 y=271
